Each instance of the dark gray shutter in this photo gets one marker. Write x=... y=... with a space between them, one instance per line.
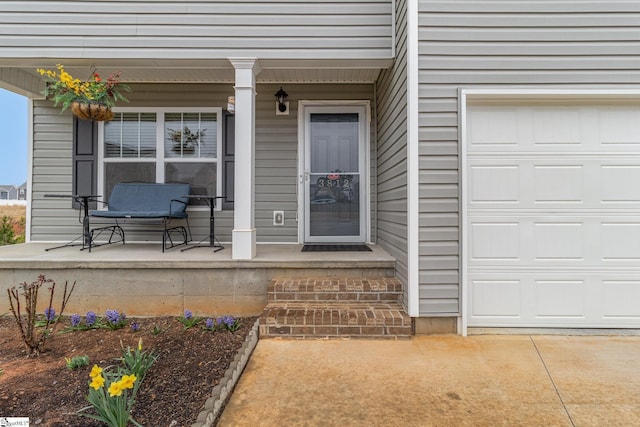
x=85 y=159
x=228 y=158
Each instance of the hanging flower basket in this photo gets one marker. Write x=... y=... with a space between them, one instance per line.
x=89 y=100
x=91 y=111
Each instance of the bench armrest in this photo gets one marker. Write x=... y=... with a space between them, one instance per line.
x=171 y=205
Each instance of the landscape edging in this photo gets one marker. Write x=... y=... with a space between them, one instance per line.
x=223 y=390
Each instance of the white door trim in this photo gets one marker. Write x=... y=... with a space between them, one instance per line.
x=365 y=174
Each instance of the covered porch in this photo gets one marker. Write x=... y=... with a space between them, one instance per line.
x=140 y=280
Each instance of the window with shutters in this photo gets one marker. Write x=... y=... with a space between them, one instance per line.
x=163 y=145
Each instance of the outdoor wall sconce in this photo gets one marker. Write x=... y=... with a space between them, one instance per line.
x=231 y=104
x=282 y=105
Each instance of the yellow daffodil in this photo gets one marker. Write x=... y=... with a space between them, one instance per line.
x=95 y=371
x=127 y=381
x=140 y=344
x=97 y=382
x=115 y=389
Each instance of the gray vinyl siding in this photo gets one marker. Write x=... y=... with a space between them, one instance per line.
x=392 y=152
x=277 y=154
x=499 y=44
x=286 y=29
x=276 y=157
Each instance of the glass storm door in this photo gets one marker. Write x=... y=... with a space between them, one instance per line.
x=334 y=183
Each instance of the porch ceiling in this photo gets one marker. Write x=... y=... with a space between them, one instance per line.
x=204 y=71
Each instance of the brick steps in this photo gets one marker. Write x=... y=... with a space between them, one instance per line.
x=335 y=308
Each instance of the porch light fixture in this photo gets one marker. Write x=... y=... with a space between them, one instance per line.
x=282 y=105
x=231 y=104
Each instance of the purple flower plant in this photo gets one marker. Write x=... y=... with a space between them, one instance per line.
x=50 y=314
x=208 y=324
x=75 y=320
x=113 y=316
x=90 y=320
x=135 y=327
x=188 y=314
x=115 y=320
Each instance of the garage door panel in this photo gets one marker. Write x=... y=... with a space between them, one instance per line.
x=620 y=299
x=615 y=183
x=577 y=184
x=559 y=183
x=541 y=298
x=560 y=299
x=557 y=126
x=560 y=241
x=620 y=126
x=495 y=183
x=485 y=134
x=593 y=241
x=496 y=298
x=497 y=241
x=620 y=241
x=572 y=129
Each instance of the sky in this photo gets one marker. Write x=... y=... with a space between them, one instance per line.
x=13 y=138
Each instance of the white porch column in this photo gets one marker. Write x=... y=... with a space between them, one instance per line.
x=244 y=231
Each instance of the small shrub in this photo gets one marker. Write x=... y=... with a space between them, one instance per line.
x=7 y=235
x=26 y=322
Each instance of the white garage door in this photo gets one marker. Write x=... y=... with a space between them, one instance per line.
x=552 y=221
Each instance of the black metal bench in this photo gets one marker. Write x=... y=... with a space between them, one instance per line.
x=144 y=201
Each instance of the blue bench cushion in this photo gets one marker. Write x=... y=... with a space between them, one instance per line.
x=142 y=200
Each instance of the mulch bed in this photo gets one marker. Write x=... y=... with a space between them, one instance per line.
x=191 y=362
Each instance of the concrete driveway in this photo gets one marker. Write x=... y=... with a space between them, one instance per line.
x=514 y=380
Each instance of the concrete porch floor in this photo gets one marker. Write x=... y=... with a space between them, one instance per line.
x=266 y=254
x=440 y=381
x=141 y=280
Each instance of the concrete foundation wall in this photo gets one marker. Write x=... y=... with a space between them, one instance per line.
x=139 y=291
x=436 y=325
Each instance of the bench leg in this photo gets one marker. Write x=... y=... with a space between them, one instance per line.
x=114 y=231
x=167 y=236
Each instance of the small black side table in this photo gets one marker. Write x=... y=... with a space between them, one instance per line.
x=86 y=234
x=213 y=241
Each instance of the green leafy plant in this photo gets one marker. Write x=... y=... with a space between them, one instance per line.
x=77 y=362
x=188 y=320
x=64 y=89
x=26 y=321
x=112 y=390
x=138 y=361
x=157 y=330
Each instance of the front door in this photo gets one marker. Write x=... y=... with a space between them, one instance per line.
x=334 y=183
